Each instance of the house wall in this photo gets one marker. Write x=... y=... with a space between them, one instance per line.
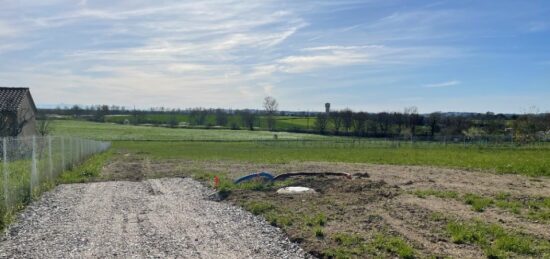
x=26 y=112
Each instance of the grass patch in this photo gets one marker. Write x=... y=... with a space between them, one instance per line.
x=318 y=220
x=495 y=240
x=258 y=207
x=319 y=232
x=89 y=170
x=383 y=245
x=392 y=244
x=478 y=203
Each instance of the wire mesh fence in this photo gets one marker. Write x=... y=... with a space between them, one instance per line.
x=31 y=165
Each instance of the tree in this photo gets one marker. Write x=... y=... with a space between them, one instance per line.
x=384 y=121
x=336 y=120
x=221 y=117
x=412 y=116
x=433 y=121
x=360 y=123
x=100 y=113
x=347 y=119
x=198 y=116
x=173 y=120
x=248 y=118
x=321 y=123
x=270 y=106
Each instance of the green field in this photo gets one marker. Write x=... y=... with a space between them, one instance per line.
x=532 y=162
x=110 y=131
x=258 y=146
x=282 y=122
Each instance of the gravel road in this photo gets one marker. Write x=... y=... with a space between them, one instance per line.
x=160 y=218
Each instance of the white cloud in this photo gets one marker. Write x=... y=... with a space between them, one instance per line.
x=442 y=84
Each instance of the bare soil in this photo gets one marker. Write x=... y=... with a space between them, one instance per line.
x=378 y=199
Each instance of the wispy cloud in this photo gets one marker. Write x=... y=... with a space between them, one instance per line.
x=442 y=84
x=232 y=52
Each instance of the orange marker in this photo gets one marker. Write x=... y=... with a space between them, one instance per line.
x=216 y=181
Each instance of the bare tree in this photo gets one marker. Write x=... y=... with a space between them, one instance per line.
x=336 y=119
x=434 y=120
x=411 y=114
x=270 y=106
x=321 y=122
x=360 y=123
x=248 y=118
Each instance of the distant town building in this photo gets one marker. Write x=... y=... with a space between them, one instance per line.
x=327 y=107
x=17 y=112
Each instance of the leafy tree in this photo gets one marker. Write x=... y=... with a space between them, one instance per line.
x=347 y=119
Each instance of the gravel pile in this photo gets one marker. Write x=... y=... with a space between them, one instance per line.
x=159 y=218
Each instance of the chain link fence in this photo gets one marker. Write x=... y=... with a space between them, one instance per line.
x=31 y=165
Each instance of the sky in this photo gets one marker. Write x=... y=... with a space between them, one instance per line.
x=370 y=55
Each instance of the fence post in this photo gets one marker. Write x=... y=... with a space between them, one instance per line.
x=63 y=166
x=34 y=170
x=6 y=173
x=50 y=160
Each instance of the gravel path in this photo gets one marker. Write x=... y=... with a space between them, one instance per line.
x=169 y=217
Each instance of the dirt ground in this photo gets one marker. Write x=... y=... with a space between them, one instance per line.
x=379 y=199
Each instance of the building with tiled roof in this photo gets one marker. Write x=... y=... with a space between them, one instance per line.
x=17 y=112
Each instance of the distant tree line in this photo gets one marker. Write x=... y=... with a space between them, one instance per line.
x=411 y=124
x=408 y=124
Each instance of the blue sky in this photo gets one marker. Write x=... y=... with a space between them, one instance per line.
x=372 y=55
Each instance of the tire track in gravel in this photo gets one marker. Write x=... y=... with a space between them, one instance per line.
x=169 y=217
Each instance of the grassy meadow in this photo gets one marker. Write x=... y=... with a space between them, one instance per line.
x=111 y=132
x=282 y=122
x=260 y=146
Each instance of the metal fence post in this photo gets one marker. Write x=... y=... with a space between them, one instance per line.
x=34 y=169
x=63 y=166
x=50 y=160
x=6 y=173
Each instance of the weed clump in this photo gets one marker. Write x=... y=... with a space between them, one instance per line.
x=495 y=240
x=477 y=202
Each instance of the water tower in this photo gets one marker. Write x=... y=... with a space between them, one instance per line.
x=327 y=107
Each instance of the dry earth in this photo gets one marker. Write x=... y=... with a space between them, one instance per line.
x=381 y=202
